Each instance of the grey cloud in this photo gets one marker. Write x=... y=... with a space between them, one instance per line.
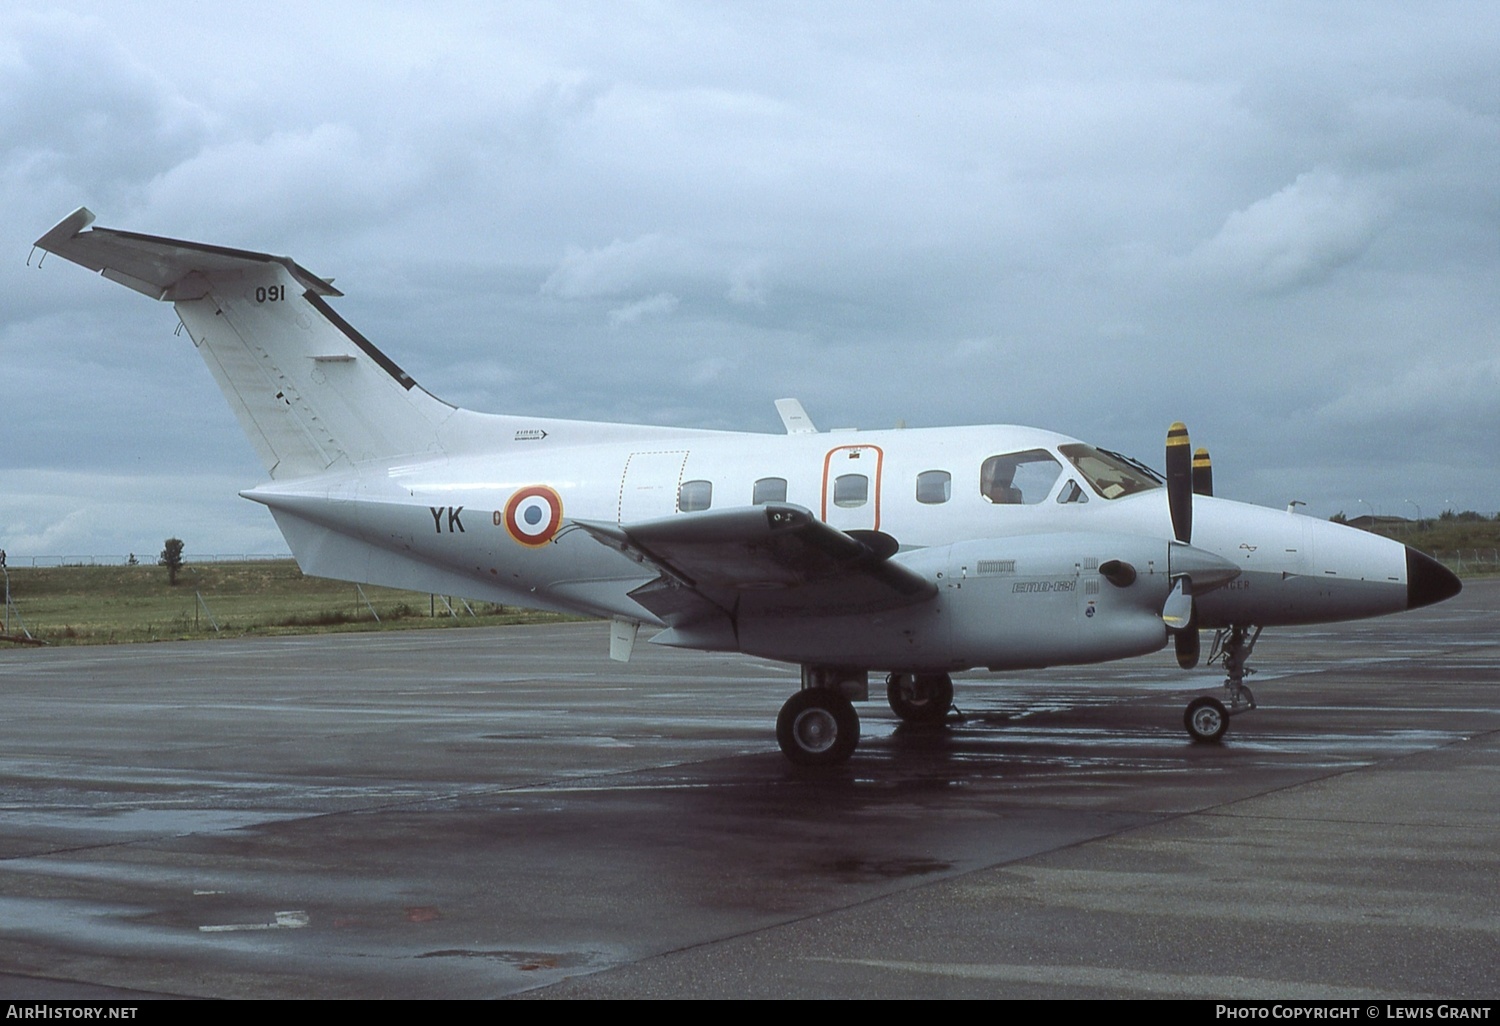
x=747 y=283
x=323 y=175
x=659 y=305
x=1430 y=398
x=615 y=269
x=1297 y=235
x=78 y=106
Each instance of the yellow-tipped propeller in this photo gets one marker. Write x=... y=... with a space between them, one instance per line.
x=1187 y=473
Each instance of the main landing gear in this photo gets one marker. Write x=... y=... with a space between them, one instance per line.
x=819 y=727
x=920 y=697
x=1206 y=717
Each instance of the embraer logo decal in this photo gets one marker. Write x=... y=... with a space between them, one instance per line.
x=1248 y=547
x=1032 y=587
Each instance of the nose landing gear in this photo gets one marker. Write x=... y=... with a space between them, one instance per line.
x=1207 y=718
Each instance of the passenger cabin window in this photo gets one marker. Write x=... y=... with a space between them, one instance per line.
x=934 y=487
x=695 y=495
x=851 y=490
x=1019 y=478
x=769 y=489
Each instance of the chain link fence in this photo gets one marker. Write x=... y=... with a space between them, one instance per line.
x=1470 y=561
x=145 y=560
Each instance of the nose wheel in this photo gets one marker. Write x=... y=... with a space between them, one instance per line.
x=1207 y=718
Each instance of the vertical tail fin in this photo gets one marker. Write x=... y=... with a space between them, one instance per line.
x=310 y=392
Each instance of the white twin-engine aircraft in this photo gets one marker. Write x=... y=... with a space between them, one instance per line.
x=910 y=552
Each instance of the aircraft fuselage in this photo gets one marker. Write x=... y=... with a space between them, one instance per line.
x=1027 y=569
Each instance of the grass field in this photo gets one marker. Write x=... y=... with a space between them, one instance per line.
x=1471 y=547
x=97 y=605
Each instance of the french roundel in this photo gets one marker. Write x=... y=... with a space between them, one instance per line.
x=533 y=515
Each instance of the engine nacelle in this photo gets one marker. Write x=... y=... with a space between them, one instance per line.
x=1055 y=599
x=1004 y=603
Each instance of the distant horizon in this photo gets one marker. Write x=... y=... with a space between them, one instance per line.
x=100 y=558
x=13 y=559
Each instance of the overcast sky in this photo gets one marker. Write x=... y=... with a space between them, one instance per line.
x=1277 y=222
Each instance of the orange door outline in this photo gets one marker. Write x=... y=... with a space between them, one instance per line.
x=879 y=467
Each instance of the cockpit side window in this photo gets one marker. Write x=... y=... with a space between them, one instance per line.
x=1072 y=492
x=1019 y=478
x=1109 y=475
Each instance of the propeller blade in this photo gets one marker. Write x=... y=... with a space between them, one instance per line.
x=1187 y=648
x=1203 y=473
x=1180 y=481
x=1188 y=474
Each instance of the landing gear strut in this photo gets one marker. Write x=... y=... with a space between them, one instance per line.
x=1207 y=718
x=920 y=697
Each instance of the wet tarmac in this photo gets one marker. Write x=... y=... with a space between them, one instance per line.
x=501 y=812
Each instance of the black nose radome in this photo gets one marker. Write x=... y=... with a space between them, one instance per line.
x=1427 y=580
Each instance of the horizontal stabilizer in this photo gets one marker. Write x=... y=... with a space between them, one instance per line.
x=159 y=267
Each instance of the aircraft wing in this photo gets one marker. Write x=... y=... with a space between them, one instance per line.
x=771 y=560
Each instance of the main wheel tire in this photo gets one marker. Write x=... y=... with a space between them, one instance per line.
x=817 y=727
x=921 y=697
x=1206 y=719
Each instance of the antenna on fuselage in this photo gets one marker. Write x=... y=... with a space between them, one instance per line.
x=794 y=417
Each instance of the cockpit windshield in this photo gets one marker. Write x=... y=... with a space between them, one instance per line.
x=1111 y=475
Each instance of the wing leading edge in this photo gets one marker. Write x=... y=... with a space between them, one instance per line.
x=771 y=560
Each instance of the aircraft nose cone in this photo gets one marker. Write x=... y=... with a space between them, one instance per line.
x=1427 y=580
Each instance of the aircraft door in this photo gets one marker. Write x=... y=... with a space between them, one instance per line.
x=851 y=487
x=648 y=486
